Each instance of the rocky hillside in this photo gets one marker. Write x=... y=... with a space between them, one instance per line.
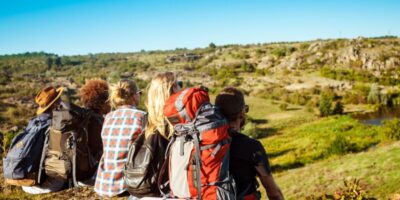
x=273 y=70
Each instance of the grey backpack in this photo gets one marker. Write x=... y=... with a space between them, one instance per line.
x=66 y=155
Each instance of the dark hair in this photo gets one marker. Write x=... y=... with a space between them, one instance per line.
x=230 y=102
x=94 y=94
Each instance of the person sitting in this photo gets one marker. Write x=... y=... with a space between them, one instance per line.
x=94 y=96
x=248 y=156
x=120 y=128
x=158 y=129
x=47 y=99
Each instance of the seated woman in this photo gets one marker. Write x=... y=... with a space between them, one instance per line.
x=158 y=131
x=94 y=96
x=120 y=128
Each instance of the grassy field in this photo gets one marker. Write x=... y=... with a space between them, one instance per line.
x=377 y=168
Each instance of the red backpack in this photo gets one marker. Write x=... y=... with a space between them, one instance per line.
x=197 y=157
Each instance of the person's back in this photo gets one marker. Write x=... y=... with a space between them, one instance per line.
x=47 y=99
x=94 y=96
x=248 y=157
x=156 y=136
x=246 y=153
x=120 y=128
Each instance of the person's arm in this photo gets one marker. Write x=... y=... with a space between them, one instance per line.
x=265 y=174
x=273 y=190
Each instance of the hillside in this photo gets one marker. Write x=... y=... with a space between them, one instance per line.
x=293 y=89
x=377 y=168
x=291 y=72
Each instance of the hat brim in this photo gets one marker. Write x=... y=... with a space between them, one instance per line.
x=40 y=110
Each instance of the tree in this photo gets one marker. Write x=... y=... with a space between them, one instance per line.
x=49 y=63
x=57 y=62
x=212 y=45
x=325 y=105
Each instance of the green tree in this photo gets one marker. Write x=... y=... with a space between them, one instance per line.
x=49 y=63
x=212 y=45
x=325 y=105
x=57 y=62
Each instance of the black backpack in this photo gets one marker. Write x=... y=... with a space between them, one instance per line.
x=145 y=158
x=66 y=155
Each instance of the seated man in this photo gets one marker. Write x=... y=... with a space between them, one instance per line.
x=248 y=157
x=47 y=100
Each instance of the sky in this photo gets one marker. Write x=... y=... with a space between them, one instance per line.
x=71 y=27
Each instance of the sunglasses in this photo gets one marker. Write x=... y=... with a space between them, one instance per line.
x=246 y=108
x=180 y=83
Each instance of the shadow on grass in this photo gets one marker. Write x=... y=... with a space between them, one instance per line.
x=259 y=121
x=292 y=109
x=267 y=132
x=279 y=153
x=280 y=168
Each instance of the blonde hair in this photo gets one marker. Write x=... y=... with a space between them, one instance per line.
x=122 y=92
x=159 y=90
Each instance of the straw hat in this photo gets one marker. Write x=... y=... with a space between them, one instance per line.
x=46 y=97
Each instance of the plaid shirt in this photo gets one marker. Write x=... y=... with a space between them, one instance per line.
x=120 y=128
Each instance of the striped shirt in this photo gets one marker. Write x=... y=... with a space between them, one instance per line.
x=120 y=128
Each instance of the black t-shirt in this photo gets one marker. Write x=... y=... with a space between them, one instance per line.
x=248 y=159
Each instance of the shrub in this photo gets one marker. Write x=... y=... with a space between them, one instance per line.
x=352 y=190
x=374 y=94
x=279 y=52
x=339 y=146
x=338 y=108
x=283 y=106
x=247 y=67
x=250 y=130
x=7 y=139
x=391 y=129
x=325 y=105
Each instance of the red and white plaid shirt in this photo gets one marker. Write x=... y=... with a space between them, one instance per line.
x=120 y=128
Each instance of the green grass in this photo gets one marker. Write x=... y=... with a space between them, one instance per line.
x=378 y=170
x=307 y=143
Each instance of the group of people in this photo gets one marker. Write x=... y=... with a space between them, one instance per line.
x=117 y=122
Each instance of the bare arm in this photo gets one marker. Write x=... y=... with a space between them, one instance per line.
x=273 y=190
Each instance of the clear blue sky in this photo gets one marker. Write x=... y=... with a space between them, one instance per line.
x=70 y=27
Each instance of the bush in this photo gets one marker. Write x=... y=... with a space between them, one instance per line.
x=325 y=105
x=250 y=130
x=391 y=129
x=374 y=94
x=7 y=139
x=338 y=108
x=352 y=191
x=339 y=146
x=283 y=106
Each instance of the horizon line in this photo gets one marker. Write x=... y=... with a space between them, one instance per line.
x=194 y=48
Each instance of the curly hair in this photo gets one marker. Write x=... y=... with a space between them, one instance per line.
x=94 y=94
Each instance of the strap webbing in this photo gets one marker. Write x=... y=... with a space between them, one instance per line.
x=198 y=164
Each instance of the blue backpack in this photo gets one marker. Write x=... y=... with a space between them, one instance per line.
x=23 y=159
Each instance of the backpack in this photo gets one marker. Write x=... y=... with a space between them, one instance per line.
x=197 y=157
x=21 y=164
x=145 y=158
x=66 y=155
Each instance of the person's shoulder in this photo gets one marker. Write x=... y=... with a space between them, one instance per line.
x=140 y=112
x=244 y=139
